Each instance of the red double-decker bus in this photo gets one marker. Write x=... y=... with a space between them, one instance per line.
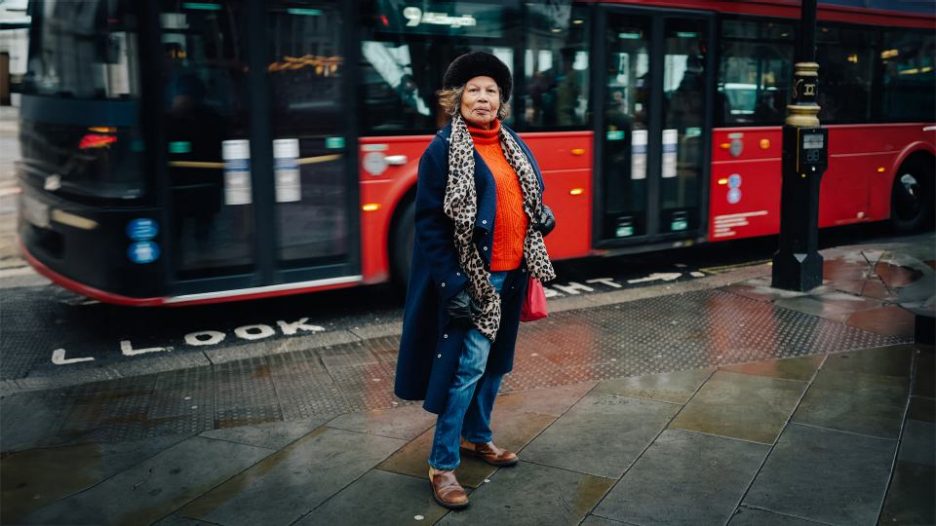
x=191 y=152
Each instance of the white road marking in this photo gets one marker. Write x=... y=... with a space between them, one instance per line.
x=126 y=348
x=58 y=358
x=657 y=276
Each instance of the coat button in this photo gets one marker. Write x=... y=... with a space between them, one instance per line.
x=484 y=221
x=438 y=356
x=484 y=248
x=458 y=273
x=445 y=336
x=443 y=284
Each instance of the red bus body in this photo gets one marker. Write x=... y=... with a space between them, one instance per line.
x=864 y=160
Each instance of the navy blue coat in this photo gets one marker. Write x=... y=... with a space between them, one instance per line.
x=430 y=345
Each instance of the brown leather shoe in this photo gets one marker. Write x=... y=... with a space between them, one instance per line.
x=490 y=453
x=446 y=490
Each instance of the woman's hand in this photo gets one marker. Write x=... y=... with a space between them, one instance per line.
x=546 y=222
x=461 y=306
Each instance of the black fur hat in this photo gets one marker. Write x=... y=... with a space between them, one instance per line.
x=476 y=64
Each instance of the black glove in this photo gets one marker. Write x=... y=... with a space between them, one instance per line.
x=461 y=306
x=546 y=222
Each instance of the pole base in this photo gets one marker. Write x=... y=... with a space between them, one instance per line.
x=796 y=271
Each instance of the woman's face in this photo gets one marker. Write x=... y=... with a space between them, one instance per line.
x=480 y=102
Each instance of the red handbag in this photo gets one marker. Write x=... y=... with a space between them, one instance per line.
x=534 y=304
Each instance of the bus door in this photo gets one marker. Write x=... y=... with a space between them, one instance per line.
x=261 y=192
x=653 y=128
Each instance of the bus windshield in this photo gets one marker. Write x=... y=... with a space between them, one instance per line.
x=84 y=50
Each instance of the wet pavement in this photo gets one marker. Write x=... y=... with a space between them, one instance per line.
x=713 y=401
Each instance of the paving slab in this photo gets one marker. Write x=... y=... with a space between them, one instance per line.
x=531 y=494
x=406 y=422
x=676 y=387
x=178 y=520
x=753 y=517
x=856 y=402
x=32 y=419
x=275 y=435
x=553 y=401
x=824 y=475
x=379 y=498
x=918 y=443
x=923 y=409
x=923 y=384
x=890 y=320
x=910 y=495
x=35 y=478
x=154 y=488
x=816 y=307
x=801 y=369
x=753 y=408
x=511 y=431
x=685 y=478
x=594 y=520
x=293 y=481
x=883 y=361
x=601 y=435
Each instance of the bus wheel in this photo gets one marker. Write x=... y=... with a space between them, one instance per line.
x=912 y=197
x=401 y=245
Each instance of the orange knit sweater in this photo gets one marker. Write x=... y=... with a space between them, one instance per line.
x=510 y=225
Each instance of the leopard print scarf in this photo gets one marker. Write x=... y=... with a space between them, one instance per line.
x=461 y=205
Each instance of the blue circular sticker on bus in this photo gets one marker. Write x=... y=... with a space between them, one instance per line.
x=143 y=252
x=734 y=195
x=142 y=229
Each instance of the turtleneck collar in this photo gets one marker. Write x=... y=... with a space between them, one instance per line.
x=480 y=136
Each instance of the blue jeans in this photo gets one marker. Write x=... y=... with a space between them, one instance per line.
x=470 y=398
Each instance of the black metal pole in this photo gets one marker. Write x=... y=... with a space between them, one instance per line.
x=797 y=264
x=806 y=50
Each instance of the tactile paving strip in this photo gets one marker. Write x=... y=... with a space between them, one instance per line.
x=656 y=335
x=115 y=410
x=245 y=393
x=184 y=401
x=303 y=386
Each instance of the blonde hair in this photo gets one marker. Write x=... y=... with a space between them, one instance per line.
x=450 y=102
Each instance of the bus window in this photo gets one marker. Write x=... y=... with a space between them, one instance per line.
x=406 y=50
x=306 y=68
x=84 y=59
x=846 y=58
x=555 y=66
x=85 y=50
x=306 y=73
x=684 y=79
x=206 y=129
x=909 y=77
x=755 y=72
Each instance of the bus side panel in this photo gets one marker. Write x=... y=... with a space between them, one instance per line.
x=566 y=162
x=744 y=192
x=389 y=167
x=869 y=155
x=855 y=188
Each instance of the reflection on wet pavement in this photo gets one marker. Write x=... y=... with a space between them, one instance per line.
x=664 y=334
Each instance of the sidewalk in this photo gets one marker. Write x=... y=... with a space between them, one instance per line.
x=732 y=404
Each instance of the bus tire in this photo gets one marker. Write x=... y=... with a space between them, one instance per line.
x=912 y=195
x=401 y=244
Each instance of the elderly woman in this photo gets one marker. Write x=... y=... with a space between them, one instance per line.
x=480 y=221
